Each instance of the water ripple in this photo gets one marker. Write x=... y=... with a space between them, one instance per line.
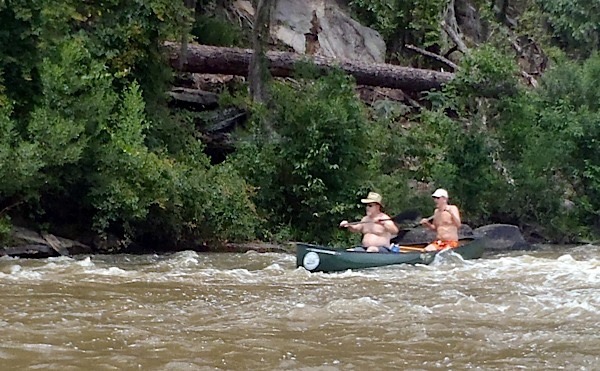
x=532 y=310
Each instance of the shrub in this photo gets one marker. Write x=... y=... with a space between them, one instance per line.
x=310 y=173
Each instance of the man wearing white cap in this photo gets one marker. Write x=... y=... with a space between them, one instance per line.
x=446 y=221
x=377 y=227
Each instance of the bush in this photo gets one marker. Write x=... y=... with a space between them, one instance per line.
x=218 y=31
x=310 y=173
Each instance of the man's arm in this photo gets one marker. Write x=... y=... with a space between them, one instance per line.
x=389 y=225
x=357 y=228
x=426 y=222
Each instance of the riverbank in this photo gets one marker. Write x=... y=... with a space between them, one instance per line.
x=27 y=243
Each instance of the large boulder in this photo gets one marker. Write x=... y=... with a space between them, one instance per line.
x=26 y=243
x=426 y=235
x=339 y=35
x=502 y=237
x=320 y=27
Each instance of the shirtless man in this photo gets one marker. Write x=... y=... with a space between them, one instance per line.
x=446 y=221
x=375 y=226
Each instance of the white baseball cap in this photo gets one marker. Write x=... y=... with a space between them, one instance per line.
x=440 y=192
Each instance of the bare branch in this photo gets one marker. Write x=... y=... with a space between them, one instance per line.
x=450 y=25
x=437 y=57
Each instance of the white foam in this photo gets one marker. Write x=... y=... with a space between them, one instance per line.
x=17 y=272
x=87 y=262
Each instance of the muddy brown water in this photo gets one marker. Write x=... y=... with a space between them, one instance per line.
x=257 y=311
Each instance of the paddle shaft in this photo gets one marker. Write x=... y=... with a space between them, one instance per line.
x=417 y=224
x=403 y=216
x=382 y=220
x=411 y=248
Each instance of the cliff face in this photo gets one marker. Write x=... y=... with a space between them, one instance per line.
x=320 y=27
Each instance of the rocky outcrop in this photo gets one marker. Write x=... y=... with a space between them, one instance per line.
x=500 y=237
x=26 y=243
x=319 y=27
x=426 y=235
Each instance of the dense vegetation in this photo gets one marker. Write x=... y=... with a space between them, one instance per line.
x=88 y=146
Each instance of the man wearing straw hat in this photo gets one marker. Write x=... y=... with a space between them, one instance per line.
x=376 y=226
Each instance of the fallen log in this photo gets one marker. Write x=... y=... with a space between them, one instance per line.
x=235 y=61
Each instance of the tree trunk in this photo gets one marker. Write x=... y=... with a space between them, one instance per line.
x=235 y=61
x=258 y=73
x=190 y=4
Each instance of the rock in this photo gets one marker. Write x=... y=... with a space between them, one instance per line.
x=108 y=244
x=193 y=99
x=426 y=235
x=258 y=247
x=339 y=36
x=75 y=247
x=55 y=244
x=502 y=237
x=336 y=34
x=38 y=251
x=26 y=243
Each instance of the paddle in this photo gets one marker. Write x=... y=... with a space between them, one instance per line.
x=412 y=248
x=418 y=224
x=404 y=216
x=404 y=231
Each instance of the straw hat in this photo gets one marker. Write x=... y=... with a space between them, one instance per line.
x=372 y=197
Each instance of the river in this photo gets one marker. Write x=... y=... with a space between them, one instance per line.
x=191 y=311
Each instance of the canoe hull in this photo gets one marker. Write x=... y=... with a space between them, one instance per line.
x=315 y=258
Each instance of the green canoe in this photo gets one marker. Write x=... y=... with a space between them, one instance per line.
x=316 y=258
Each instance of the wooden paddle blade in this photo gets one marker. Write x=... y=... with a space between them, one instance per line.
x=406 y=216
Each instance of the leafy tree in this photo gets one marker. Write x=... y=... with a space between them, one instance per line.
x=311 y=174
x=409 y=20
x=575 y=24
x=88 y=152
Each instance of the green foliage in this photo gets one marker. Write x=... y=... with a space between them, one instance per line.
x=549 y=143
x=383 y=15
x=230 y=213
x=82 y=146
x=218 y=31
x=576 y=24
x=5 y=229
x=310 y=174
x=454 y=155
x=85 y=136
x=181 y=199
x=19 y=55
x=418 y=19
x=126 y=170
x=20 y=161
x=485 y=71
